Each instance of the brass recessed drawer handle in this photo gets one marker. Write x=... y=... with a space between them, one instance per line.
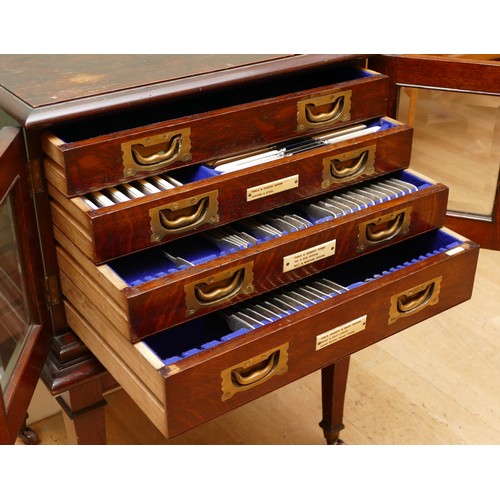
x=184 y=215
x=219 y=288
x=171 y=220
x=340 y=170
x=320 y=110
x=383 y=228
x=214 y=292
x=148 y=154
x=257 y=373
x=168 y=154
x=386 y=230
x=254 y=371
x=410 y=303
x=414 y=299
x=349 y=165
x=336 y=109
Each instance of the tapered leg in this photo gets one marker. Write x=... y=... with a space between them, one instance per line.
x=333 y=387
x=83 y=413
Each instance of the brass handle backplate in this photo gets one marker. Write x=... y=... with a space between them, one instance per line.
x=414 y=299
x=316 y=112
x=184 y=215
x=349 y=165
x=383 y=228
x=219 y=288
x=155 y=152
x=254 y=371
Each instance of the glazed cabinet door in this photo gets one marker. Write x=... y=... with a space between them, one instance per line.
x=453 y=103
x=24 y=331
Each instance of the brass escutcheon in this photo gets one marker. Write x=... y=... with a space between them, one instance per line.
x=155 y=152
x=414 y=299
x=184 y=215
x=254 y=371
x=321 y=111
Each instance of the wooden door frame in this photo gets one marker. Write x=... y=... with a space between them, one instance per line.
x=472 y=75
x=14 y=184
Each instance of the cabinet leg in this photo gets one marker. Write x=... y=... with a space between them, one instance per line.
x=333 y=387
x=27 y=434
x=83 y=413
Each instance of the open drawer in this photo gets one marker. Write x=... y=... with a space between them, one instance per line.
x=192 y=373
x=145 y=213
x=101 y=153
x=158 y=288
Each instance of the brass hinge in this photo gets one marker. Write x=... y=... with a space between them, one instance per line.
x=52 y=291
x=35 y=176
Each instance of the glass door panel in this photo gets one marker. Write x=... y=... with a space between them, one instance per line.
x=15 y=318
x=457 y=142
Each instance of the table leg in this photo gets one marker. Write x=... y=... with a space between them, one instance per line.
x=333 y=387
x=83 y=413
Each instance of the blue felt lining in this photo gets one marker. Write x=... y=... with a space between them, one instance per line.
x=406 y=176
x=208 y=331
x=153 y=264
x=193 y=174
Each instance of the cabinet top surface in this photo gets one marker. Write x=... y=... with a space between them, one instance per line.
x=41 y=80
x=34 y=86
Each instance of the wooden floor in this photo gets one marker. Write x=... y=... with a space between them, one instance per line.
x=435 y=383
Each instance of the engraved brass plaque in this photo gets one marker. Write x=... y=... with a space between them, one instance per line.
x=349 y=165
x=184 y=215
x=341 y=332
x=308 y=256
x=273 y=187
x=219 y=288
x=322 y=111
x=254 y=371
x=414 y=299
x=383 y=228
x=149 y=154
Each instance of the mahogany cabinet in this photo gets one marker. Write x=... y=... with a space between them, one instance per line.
x=202 y=230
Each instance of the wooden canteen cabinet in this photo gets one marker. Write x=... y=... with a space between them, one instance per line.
x=198 y=284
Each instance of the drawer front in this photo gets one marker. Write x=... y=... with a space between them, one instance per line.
x=205 y=382
x=209 y=201
x=120 y=157
x=173 y=284
x=309 y=345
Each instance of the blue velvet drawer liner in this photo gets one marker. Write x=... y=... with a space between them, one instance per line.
x=152 y=264
x=205 y=332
